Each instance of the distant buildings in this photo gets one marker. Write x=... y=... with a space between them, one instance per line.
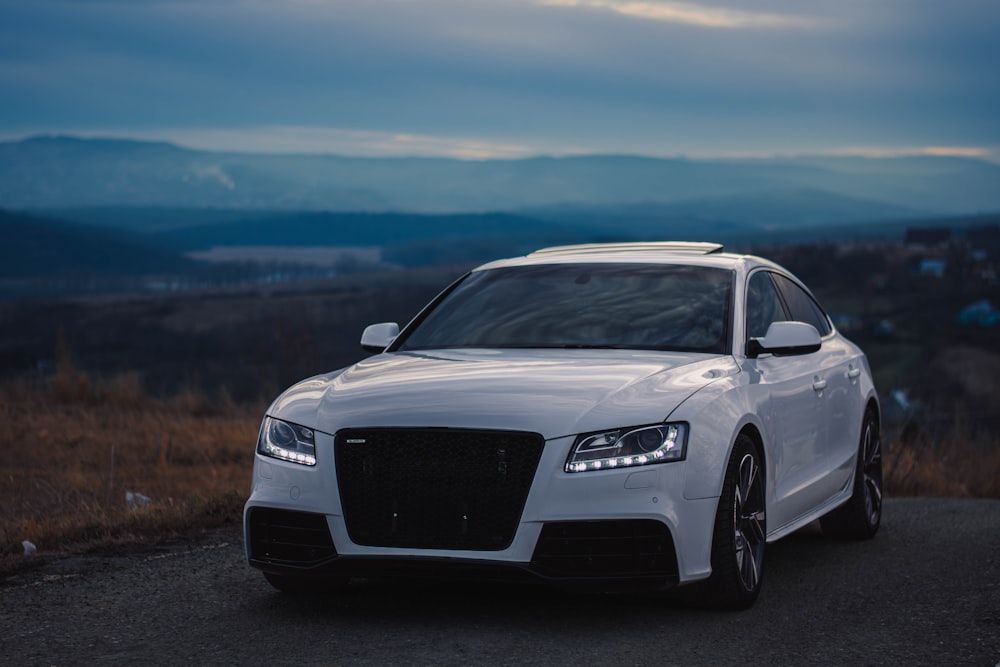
x=971 y=253
x=983 y=313
x=927 y=237
x=931 y=266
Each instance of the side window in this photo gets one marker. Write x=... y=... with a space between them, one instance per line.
x=763 y=305
x=802 y=306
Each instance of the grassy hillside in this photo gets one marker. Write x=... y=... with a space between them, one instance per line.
x=39 y=248
x=151 y=219
x=252 y=341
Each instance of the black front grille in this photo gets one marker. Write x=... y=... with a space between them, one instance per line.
x=619 y=548
x=284 y=537
x=435 y=488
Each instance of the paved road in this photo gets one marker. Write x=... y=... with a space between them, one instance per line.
x=926 y=590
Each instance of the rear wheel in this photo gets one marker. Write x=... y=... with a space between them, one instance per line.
x=740 y=532
x=859 y=517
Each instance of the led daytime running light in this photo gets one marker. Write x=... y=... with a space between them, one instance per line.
x=287 y=455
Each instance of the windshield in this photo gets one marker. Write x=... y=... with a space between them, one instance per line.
x=633 y=306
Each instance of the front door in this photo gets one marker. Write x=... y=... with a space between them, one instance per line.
x=791 y=405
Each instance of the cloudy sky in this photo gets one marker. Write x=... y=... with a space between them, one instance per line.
x=509 y=78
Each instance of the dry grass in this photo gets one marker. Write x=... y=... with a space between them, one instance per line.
x=954 y=460
x=72 y=448
x=950 y=446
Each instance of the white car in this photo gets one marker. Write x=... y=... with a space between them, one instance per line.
x=616 y=416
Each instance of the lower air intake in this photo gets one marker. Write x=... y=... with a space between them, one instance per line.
x=603 y=549
x=284 y=537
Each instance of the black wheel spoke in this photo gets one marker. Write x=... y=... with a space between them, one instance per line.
x=756 y=523
x=873 y=498
x=873 y=453
x=875 y=489
x=749 y=566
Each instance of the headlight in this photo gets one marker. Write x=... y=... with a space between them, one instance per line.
x=626 y=447
x=287 y=442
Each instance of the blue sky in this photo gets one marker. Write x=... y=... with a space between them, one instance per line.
x=510 y=78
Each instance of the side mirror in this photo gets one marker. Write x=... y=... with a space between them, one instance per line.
x=377 y=337
x=785 y=338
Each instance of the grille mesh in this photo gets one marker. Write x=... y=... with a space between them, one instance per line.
x=435 y=488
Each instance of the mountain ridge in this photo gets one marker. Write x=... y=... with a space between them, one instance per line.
x=64 y=171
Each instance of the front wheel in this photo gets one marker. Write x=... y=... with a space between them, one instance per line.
x=740 y=532
x=859 y=517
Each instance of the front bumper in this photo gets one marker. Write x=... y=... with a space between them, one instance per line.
x=610 y=528
x=611 y=554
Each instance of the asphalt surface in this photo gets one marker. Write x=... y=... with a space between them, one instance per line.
x=925 y=591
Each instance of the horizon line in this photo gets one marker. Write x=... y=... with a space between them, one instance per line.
x=465 y=150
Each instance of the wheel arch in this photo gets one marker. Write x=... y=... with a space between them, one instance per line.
x=751 y=431
x=873 y=405
x=757 y=439
x=707 y=460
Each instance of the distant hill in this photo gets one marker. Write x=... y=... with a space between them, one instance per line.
x=153 y=219
x=39 y=248
x=724 y=215
x=359 y=229
x=61 y=172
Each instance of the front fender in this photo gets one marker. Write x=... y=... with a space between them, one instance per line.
x=716 y=414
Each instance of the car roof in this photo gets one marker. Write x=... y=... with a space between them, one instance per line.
x=658 y=252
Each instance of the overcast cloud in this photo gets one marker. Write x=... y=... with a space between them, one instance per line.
x=505 y=78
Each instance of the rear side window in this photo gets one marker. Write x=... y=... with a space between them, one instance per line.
x=802 y=306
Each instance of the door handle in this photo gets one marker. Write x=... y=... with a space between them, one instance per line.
x=819 y=385
x=853 y=373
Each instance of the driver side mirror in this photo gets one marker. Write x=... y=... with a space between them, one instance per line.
x=785 y=338
x=377 y=337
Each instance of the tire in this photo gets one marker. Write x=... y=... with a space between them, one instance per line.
x=740 y=532
x=859 y=517
x=305 y=584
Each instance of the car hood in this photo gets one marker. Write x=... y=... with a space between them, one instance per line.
x=551 y=392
